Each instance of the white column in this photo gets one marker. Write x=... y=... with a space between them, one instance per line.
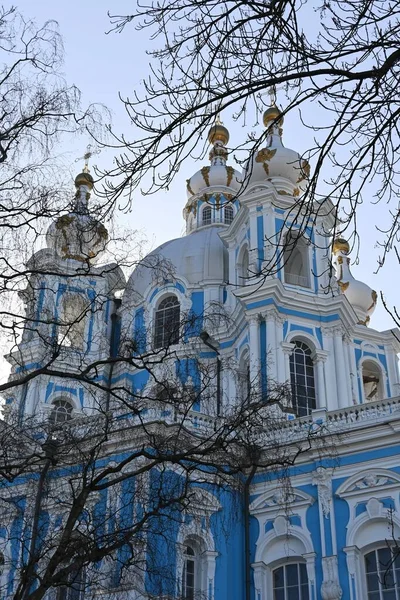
x=232 y=265
x=330 y=369
x=287 y=349
x=344 y=400
x=270 y=319
x=270 y=236
x=353 y=373
x=280 y=358
x=346 y=356
x=319 y=360
x=253 y=249
x=254 y=340
x=393 y=370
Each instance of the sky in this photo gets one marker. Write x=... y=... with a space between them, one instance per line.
x=104 y=66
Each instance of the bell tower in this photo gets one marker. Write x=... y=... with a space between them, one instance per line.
x=69 y=301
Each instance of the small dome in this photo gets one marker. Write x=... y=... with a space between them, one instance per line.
x=275 y=162
x=340 y=245
x=78 y=237
x=271 y=114
x=218 y=174
x=214 y=176
x=84 y=178
x=362 y=298
x=218 y=133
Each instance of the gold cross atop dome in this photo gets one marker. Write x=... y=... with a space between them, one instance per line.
x=87 y=156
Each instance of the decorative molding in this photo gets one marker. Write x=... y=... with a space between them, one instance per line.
x=280 y=497
x=322 y=478
x=330 y=588
x=375 y=480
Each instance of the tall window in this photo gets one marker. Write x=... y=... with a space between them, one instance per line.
x=167 y=320
x=244 y=382
x=302 y=379
x=228 y=215
x=243 y=266
x=189 y=573
x=61 y=412
x=382 y=569
x=206 y=215
x=295 y=257
x=372 y=381
x=291 y=582
x=74 y=310
x=75 y=588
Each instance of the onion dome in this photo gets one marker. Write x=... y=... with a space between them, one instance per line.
x=78 y=235
x=281 y=166
x=218 y=176
x=360 y=295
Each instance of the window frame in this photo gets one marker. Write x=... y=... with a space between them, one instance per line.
x=285 y=566
x=381 y=381
x=242 y=266
x=299 y=243
x=231 y=213
x=56 y=404
x=206 y=220
x=310 y=384
x=192 y=559
x=159 y=335
x=396 y=573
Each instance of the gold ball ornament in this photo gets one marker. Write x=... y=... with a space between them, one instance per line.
x=271 y=114
x=218 y=133
x=84 y=179
x=341 y=245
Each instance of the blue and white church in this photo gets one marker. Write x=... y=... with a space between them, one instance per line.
x=290 y=312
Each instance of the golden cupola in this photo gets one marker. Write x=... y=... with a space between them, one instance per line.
x=78 y=235
x=282 y=167
x=218 y=176
x=362 y=298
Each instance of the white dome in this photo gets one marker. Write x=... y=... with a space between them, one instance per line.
x=362 y=298
x=215 y=176
x=218 y=174
x=275 y=162
x=198 y=258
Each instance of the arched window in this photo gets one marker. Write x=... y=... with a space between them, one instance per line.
x=302 y=379
x=167 y=321
x=189 y=573
x=74 y=308
x=382 y=569
x=61 y=412
x=244 y=378
x=228 y=215
x=372 y=381
x=290 y=582
x=206 y=215
x=296 y=264
x=243 y=266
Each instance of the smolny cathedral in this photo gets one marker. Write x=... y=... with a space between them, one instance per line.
x=330 y=537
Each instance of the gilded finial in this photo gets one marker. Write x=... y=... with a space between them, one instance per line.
x=85 y=178
x=218 y=132
x=340 y=245
x=272 y=113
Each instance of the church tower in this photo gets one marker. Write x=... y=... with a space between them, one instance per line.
x=69 y=302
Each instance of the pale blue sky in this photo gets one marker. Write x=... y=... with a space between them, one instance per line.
x=103 y=65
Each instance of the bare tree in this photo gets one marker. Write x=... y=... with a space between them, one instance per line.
x=93 y=504
x=213 y=56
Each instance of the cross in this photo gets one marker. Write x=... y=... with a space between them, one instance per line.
x=272 y=93
x=86 y=157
